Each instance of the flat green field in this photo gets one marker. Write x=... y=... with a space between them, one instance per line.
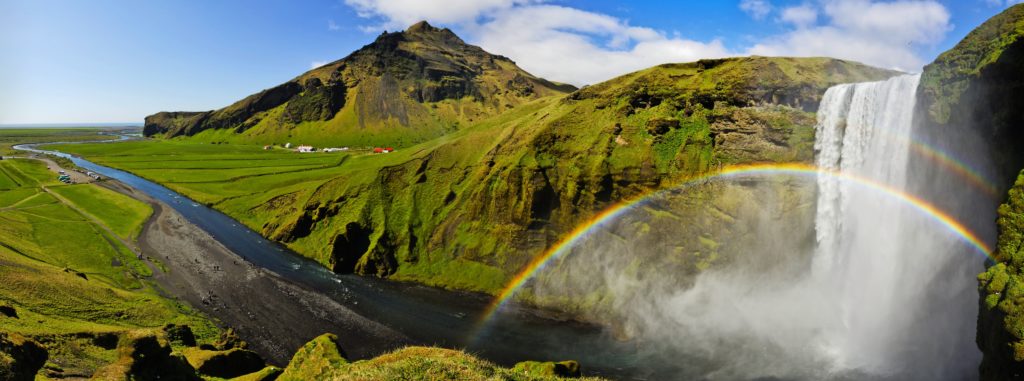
x=65 y=273
x=122 y=214
x=13 y=136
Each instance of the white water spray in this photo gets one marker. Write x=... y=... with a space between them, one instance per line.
x=881 y=262
x=886 y=294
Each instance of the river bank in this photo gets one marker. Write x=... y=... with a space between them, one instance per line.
x=275 y=316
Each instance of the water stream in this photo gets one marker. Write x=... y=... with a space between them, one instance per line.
x=883 y=294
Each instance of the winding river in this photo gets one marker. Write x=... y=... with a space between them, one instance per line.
x=427 y=315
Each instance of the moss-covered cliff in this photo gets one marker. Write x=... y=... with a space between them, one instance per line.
x=976 y=87
x=404 y=88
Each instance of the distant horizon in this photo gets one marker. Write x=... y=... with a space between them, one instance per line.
x=70 y=125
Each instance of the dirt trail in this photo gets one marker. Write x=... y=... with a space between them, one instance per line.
x=203 y=273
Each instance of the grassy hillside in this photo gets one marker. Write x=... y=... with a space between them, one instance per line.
x=68 y=282
x=404 y=88
x=322 y=359
x=468 y=209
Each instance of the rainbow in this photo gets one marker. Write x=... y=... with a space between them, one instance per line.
x=952 y=164
x=609 y=214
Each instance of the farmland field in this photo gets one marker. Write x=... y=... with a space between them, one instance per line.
x=13 y=136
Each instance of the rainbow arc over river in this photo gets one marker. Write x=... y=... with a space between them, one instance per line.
x=939 y=217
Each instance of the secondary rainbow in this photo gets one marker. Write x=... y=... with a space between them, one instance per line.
x=563 y=246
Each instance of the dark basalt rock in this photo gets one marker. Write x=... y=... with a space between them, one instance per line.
x=180 y=335
x=20 y=357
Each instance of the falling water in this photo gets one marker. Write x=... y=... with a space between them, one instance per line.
x=884 y=264
x=851 y=283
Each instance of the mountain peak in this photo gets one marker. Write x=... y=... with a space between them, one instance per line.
x=424 y=77
x=421 y=27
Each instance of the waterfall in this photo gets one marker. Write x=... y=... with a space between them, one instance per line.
x=830 y=277
x=882 y=262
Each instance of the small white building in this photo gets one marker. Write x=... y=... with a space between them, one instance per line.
x=305 y=148
x=287 y=145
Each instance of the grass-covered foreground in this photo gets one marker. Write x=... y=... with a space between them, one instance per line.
x=68 y=274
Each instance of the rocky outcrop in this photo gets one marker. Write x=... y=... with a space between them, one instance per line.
x=20 y=358
x=224 y=364
x=395 y=82
x=146 y=356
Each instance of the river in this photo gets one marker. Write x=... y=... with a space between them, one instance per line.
x=428 y=316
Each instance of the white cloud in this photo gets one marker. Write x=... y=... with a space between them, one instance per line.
x=757 y=9
x=567 y=44
x=878 y=33
x=801 y=15
x=316 y=64
x=399 y=14
x=331 y=25
x=564 y=44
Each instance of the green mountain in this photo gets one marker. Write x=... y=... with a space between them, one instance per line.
x=405 y=87
x=467 y=210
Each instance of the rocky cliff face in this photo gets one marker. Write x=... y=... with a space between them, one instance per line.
x=976 y=86
x=405 y=87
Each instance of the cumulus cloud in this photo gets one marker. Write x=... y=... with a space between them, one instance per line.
x=572 y=45
x=331 y=25
x=802 y=15
x=581 y=47
x=874 y=32
x=757 y=9
x=399 y=14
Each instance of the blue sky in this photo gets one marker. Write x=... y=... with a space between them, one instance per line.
x=117 y=61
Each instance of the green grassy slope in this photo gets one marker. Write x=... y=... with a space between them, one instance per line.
x=322 y=359
x=67 y=278
x=468 y=209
